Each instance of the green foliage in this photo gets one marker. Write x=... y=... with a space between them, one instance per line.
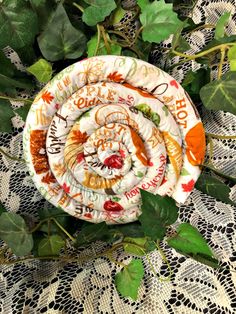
x=60 y=40
x=2 y=208
x=93 y=232
x=157 y=213
x=159 y=21
x=42 y=70
x=50 y=245
x=220 y=26
x=23 y=111
x=214 y=187
x=14 y=232
x=97 y=11
x=92 y=45
x=18 y=24
x=220 y=94
x=128 y=280
x=232 y=58
x=6 y=113
x=189 y=240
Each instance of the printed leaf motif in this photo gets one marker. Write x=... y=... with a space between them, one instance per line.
x=115 y=77
x=139 y=174
x=220 y=94
x=16 y=19
x=184 y=172
x=97 y=11
x=59 y=169
x=92 y=44
x=47 y=97
x=128 y=280
x=66 y=188
x=159 y=21
x=214 y=187
x=157 y=213
x=14 y=232
x=188 y=187
x=190 y=241
x=60 y=40
x=50 y=245
x=42 y=70
x=48 y=178
x=232 y=58
x=6 y=113
x=220 y=26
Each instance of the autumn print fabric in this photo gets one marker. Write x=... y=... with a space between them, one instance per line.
x=106 y=127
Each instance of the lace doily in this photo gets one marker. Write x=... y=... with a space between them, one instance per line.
x=53 y=287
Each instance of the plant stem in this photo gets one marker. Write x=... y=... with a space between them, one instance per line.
x=63 y=229
x=98 y=41
x=223 y=137
x=222 y=58
x=17 y=99
x=202 y=26
x=203 y=53
x=78 y=6
x=10 y=156
x=165 y=260
x=108 y=48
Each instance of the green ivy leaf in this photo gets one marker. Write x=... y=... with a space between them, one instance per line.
x=157 y=213
x=194 y=81
x=220 y=94
x=23 y=111
x=2 y=208
x=189 y=241
x=92 y=44
x=7 y=68
x=97 y=11
x=135 y=245
x=159 y=21
x=178 y=42
x=92 y=232
x=6 y=113
x=129 y=279
x=132 y=230
x=65 y=220
x=14 y=232
x=60 y=40
x=42 y=70
x=214 y=187
x=232 y=58
x=143 y=4
x=18 y=22
x=117 y=15
x=220 y=25
x=138 y=246
x=50 y=245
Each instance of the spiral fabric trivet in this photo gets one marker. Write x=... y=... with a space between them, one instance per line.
x=107 y=126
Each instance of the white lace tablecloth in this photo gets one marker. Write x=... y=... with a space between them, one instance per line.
x=54 y=287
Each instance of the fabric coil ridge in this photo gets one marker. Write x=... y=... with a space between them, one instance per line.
x=106 y=127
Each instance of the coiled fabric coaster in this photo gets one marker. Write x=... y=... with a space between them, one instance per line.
x=106 y=127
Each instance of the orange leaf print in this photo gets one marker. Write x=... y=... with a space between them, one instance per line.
x=115 y=77
x=140 y=148
x=59 y=169
x=48 y=178
x=188 y=187
x=47 y=97
x=79 y=137
x=196 y=145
